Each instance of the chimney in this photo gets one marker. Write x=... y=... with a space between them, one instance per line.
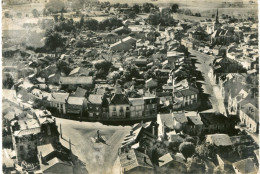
x=144 y=159
x=131 y=132
x=54 y=121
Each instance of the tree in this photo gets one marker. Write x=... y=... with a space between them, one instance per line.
x=63 y=66
x=8 y=81
x=190 y=139
x=81 y=22
x=187 y=149
x=35 y=13
x=55 y=6
x=175 y=8
x=53 y=40
x=79 y=44
x=131 y=15
x=91 y=24
x=147 y=7
x=196 y=165
x=136 y=8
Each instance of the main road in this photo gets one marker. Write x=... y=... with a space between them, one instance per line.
x=203 y=65
x=98 y=157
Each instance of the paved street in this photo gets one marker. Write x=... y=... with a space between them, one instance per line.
x=99 y=157
x=210 y=87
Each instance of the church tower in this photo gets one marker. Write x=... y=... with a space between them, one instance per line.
x=216 y=24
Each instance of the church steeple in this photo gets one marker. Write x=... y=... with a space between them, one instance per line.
x=217 y=22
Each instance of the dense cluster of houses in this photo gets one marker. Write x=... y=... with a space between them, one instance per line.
x=32 y=141
x=152 y=78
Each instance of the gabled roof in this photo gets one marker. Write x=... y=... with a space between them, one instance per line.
x=219 y=139
x=119 y=99
x=80 y=92
x=134 y=159
x=245 y=166
x=74 y=71
x=53 y=162
x=167 y=119
x=76 y=100
x=165 y=159
x=251 y=111
x=59 y=97
x=45 y=149
x=180 y=117
x=95 y=99
x=76 y=80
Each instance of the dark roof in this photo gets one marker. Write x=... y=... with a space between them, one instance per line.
x=213 y=118
x=119 y=99
x=241 y=139
x=187 y=92
x=134 y=159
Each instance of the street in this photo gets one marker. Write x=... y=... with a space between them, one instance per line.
x=210 y=87
x=99 y=157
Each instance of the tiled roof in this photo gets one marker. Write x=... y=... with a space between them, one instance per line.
x=219 y=139
x=76 y=80
x=167 y=119
x=80 y=92
x=245 y=166
x=134 y=159
x=180 y=117
x=76 y=100
x=59 y=97
x=45 y=149
x=95 y=99
x=53 y=162
x=119 y=99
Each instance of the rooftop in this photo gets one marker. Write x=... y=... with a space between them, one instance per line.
x=219 y=139
x=134 y=159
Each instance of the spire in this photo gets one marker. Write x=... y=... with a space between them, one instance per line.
x=217 y=17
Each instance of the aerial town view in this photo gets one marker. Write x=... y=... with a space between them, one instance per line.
x=120 y=87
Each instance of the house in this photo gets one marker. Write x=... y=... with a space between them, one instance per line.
x=151 y=83
x=186 y=96
x=172 y=164
x=194 y=125
x=84 y=81
x=119 y=106
x=79 y=71
x=58 y=101
x=80 y=92
x=166 y=124
x=96 y=106
x=249 y=115
x=136 y=107
x=245 y=166
x=135 y=162
x=219 y=140
x=216 y=123
x=29 y=132
x=190 y=43
x=179 y=120
x=124 y=45
x=56 y=165
x=74 y=105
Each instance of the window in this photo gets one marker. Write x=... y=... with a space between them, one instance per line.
x=114 y=114
x=90 y=107
x=121 y=114
x=192 y=96
x=114 y=108
x=97 y=108
x=21 y=148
